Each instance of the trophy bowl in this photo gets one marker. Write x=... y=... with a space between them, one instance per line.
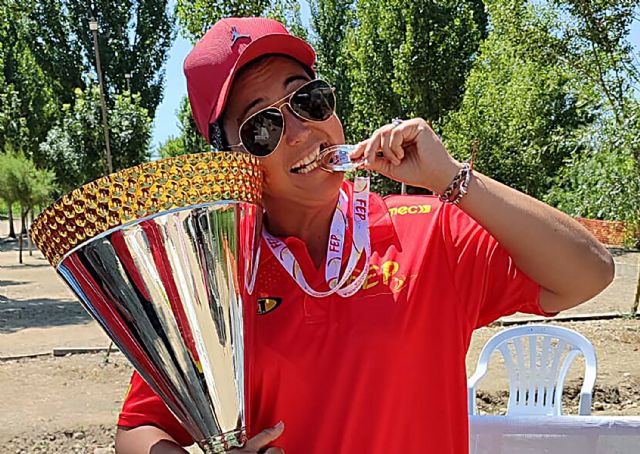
x=164 y=255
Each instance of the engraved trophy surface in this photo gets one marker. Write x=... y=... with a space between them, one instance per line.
x=163 y=256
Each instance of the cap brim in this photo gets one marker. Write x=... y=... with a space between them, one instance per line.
x=277 y=43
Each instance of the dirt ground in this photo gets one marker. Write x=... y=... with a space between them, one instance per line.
x=70 y=404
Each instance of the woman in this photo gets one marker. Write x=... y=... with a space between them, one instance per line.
x=369 y=356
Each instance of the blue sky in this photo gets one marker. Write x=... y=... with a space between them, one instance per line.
x=165 y=124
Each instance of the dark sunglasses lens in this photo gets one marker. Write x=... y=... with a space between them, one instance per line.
x=314 y=101
x=261 y=133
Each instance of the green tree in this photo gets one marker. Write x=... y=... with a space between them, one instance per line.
x=197 y=16
x=409 y=59
x=592 y=38
x=192 y=140
x=601 y=179
x=55 y=49
x=14 y=132
x=332 y=21
x=26 y=103
x=22 y=181
x=189 y=140
x=75 y=147
x=520 y=104
x=172 y=147
x=134 y=37
x=7 y=191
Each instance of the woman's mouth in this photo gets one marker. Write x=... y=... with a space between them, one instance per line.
x=308 y=163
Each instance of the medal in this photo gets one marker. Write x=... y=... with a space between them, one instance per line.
x=344 y=284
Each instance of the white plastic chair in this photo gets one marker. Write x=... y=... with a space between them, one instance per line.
x=537 y=359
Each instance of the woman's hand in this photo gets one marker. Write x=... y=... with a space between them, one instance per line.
x=411 y=153
x=260 y=441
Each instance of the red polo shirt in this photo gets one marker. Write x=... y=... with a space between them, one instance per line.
x=384 y=370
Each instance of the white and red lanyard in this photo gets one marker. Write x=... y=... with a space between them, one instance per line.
x=343 y=284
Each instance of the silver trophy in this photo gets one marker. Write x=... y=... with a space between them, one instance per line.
x=163 y=255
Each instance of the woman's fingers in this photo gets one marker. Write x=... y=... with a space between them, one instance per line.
x=379 y=142
x=385 y=142
x=396 y=139
x=265 y=437
x=372 y=145
x=390 y=149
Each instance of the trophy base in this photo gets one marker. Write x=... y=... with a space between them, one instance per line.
x=224 y=442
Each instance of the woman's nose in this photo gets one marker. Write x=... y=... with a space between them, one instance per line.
x=296 y=130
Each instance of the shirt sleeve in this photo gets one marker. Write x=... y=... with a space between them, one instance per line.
x=489 y=283
x=143 y=407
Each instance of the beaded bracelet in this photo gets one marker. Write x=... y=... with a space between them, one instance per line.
x=459 y=186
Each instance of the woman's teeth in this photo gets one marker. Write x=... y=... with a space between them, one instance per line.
x=309 y=168
x=307 y=164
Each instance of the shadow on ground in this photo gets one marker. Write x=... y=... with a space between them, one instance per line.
x=11 y=244
x=41 y=263
x=8 y=283
x=40 y=313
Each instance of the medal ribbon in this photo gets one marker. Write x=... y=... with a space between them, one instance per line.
x=346 y=284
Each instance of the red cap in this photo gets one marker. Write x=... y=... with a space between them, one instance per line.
x=229 y=45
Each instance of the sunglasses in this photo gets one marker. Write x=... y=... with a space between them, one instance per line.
x=261 y=133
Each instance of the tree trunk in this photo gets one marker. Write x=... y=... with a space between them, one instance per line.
x=30 y=222
x=20 y=249
x=23 y=222
x=636 y=300
x=23 y=229
x=12 y=232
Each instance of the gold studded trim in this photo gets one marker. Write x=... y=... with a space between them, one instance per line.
x=142 y=191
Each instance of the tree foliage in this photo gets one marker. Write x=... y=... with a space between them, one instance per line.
x=601 y=180
x=21 y=181
x=592 y=38
x=520 y=105
x=134 y=37
x=189 y=140
x=192 y=140
x=410 y=59
x=26 y=105
x=172 y=147
x=407 y=59
x=197 y=16
x=332 y=21
x=48 y=64
x=76 y=146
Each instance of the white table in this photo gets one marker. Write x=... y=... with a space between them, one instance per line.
x=554 y=434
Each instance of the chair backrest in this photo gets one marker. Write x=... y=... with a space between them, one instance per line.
x=537 y=359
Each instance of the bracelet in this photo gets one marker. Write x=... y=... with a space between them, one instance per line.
x=458 y=187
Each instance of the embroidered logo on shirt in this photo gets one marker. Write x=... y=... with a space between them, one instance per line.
x=386 y=277
x=410 y=209
x=268 y=304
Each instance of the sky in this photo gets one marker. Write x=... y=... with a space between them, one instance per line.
x=165 y=124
